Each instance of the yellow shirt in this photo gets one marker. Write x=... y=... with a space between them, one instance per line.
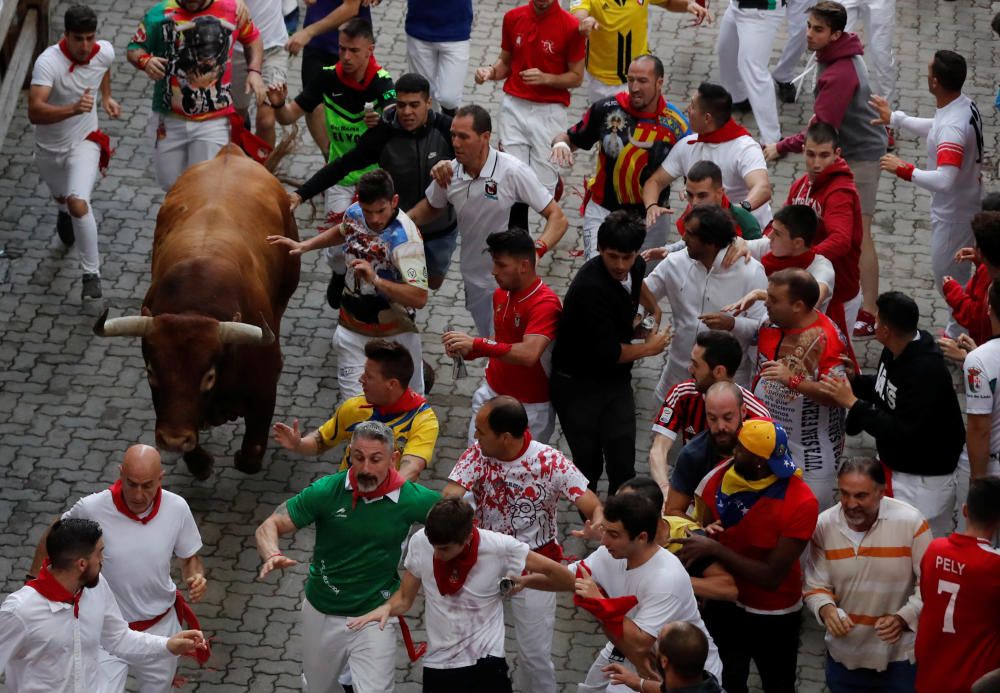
x=623 y=35
x=415 y=430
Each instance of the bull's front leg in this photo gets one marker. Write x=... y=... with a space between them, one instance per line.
x=258 y=427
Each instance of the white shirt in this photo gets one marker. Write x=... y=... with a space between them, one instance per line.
x=693 y=291
x=44 y=649
x=820 y=268
x=468 y=625
x=737 y=158
x=663 y=589
x=137 y=556
x=267 y=16
x=52 y=70
x=520 y=497
x=982 y=379
x=482 y=205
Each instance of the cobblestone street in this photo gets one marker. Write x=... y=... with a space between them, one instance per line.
x=70 y=403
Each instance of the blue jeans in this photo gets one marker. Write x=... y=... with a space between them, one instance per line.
x=899 y=677
x=438 y=252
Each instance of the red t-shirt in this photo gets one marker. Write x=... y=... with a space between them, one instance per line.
x=683 y=411
x=549 y=42
x=755 y=536
x=958 y=636
x=533 y=311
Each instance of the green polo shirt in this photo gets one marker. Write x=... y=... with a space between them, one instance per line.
x=357 y=552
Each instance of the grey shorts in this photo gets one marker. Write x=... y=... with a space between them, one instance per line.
x=866 y=176
x=274 y=70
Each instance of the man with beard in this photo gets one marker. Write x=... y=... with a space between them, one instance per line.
x=186 y=49
x=767 y=515
x=715 y=357
x=362 y=517
x=144 y=527
x=56 y=625
x=525 y=316
x=725 y=408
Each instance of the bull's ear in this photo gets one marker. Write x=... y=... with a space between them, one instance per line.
x=146 y=312
x=237 y=317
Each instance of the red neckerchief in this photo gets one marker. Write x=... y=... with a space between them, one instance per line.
x=623 y=101
x=772 y=263
x=119 y=498
x=370 y=72
x=390 y=483
x=73 y=62
x=102 y=140
x=727 y=133
x=610 y=611
x=451 y=575
x=408 y=401
x=47 y=586
x=527 y=442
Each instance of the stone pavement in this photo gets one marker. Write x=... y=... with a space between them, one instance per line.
x=70 y=403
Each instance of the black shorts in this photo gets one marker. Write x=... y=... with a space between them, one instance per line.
x=487 y=675
x=314 y=60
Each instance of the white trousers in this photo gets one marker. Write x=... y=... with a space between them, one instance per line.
x=152 y=674
x=824 y=488
x=74 y=174
x=791 y=57
x=962 y=479
x=851 y=310
x=541 y=415
x=526 y=129
x=946 y=240
x=595 y=214
x=181 y=143
x=327 y=645
x=744 y=50
x=597 y=90
x=879 y=18
x=350 y=348
x=479 y=303
x=597 y=680
x=444 y=64
x=933 y=496
x=534 y=616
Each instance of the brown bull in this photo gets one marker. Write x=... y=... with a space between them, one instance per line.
x=213 y=310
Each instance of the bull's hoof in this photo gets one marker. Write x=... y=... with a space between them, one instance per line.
x=199 y=463
x=248 y=464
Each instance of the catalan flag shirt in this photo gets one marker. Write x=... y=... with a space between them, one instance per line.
x=198 y=48
x=632 y=145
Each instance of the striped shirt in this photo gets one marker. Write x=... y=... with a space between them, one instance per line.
x=877 y=576
x=683 y=411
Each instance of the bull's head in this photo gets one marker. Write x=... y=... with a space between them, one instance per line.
x=184 y=356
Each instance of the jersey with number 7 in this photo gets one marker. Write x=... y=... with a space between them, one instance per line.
x=958 y=636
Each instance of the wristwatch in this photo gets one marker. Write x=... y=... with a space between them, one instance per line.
x=746 y=205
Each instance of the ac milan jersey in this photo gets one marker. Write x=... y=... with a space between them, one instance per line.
x=683 y=411
x=958 y=636
x=533 y=311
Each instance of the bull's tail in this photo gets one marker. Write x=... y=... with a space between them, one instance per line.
x=287 y=145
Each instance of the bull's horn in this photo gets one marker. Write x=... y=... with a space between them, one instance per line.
x=131 y=326
x=242 y=333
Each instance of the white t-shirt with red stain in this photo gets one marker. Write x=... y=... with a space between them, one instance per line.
x=520 y=497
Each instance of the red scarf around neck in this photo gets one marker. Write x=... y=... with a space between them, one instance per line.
x=119 y=498
x=728 y=132
x=73 y=62
x=50 y=588
x=390 y=483
x=623 y=100
x=370 y=72
x=772 y=263
x=408 y=401
x=451 y=575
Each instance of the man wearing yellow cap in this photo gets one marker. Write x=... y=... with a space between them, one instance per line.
x=763 y=515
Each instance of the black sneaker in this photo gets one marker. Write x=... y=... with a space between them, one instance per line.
x=64 y=227
x=91 y=286
x=334 y=290
x=742 y=106
x=786 y=92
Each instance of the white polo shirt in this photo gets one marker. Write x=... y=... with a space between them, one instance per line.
x=982 y=393
x=482 y=205
x=737 y=158
x=693 y=291
x=137 y=556
x=663 y=589
x=45 y=649
x=468 y=625
x=52 y=69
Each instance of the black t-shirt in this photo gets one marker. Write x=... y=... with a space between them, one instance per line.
x=697 y=459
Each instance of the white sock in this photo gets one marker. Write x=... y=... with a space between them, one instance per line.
x=85 y=229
